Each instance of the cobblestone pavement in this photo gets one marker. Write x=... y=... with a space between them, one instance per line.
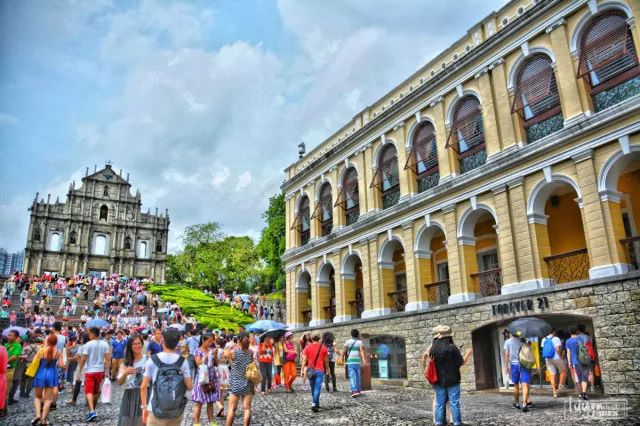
x=384 y=406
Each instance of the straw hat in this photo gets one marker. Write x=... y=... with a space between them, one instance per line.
x=440 y=331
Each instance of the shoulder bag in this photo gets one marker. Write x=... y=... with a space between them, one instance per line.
x=311 y=372
x=346 y=356
x=32 y=369
x=432 y=373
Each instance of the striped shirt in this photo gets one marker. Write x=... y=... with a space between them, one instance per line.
x=353 y=356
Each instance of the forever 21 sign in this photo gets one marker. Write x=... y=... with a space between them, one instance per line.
x=540 y=304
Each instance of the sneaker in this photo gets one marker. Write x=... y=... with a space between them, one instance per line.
x=530 y=405
x=525 y=409
x=91 y=416
x=516 y=405
x=54 y=407
x=314 y=408
x=585 y=397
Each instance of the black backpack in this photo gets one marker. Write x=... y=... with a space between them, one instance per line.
x=168 y=401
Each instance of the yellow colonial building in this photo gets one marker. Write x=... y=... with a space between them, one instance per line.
x=509 y=163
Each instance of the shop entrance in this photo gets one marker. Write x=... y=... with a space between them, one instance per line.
x=488 y=355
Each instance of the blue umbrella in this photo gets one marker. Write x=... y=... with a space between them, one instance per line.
x=264 y=325
x=97 y=323
x=21 y=331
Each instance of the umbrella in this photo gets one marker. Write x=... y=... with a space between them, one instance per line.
x=245 y=297
x=21 y=331
x=275 y=334
x=264 y=325
x=97 y=323
x=114 y=275
x=163 y=310
x=529 y=327
x=178 y=326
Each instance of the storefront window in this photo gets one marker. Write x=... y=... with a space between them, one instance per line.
x=388 y=357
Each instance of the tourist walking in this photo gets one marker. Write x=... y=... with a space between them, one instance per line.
x=3 y=381
x=205 y=386
x=448 y=361
x=265 y=357
x=278 y=361
x=168 y=371
x=577 y=363
x=14 y=351
x=304 y=341
x=29 y=351
x=239 y=385
x=552 y=355
x=289 y=367
x=46 y=380
x=315 y=363
x=519 y=375
x=130 y=374
x=330 y=344
x=118 y=345
x=96 y=359
x=354 y=357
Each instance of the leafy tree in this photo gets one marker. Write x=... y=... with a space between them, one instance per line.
x=202 y=234
x=271 y=246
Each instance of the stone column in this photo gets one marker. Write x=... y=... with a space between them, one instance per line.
x=615 y=228
x=415 y=295
x=368 y=251
x=364 y=179
x=320 y=299
x=565 y=73
x=374 y=201
x=453 y=255
x=408 y=186
x=504 y=236
x=347 y=286
x=446 y=157
x=489 y=121
x=338 y=213
x=315 y=222
x=503 y=108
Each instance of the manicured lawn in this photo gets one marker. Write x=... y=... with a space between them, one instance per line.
x=205 y=308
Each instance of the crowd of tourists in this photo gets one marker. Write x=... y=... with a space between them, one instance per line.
x=256 y=305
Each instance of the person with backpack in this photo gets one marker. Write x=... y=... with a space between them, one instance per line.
x=168 y=375
x=584 y=335
x=315 y=358
x=518 y=373
x=579 y=361
x=552 y=355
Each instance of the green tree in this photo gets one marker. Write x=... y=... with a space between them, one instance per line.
x=271 y=246
x=202 y=234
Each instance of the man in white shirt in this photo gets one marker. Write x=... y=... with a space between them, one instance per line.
x=555 y=364
x=97 y=359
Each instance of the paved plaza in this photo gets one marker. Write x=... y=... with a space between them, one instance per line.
x=383 y=406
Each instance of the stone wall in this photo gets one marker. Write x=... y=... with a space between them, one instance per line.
x=612 y=305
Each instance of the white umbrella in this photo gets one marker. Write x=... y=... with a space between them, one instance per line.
x=178 y=326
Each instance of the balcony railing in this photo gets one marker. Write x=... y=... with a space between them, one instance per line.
x=438 y=292
x=357 y=306
x=632 y=244
x=329 y=312
x=489 y=282
x=398 y=300
x=568 y=267
x=306 y=316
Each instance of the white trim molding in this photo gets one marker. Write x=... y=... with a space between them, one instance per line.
x=376 y=312
x=462 y=297
x=526 y=286
x=417 y=306
x=317 y=323
x=603 y=271
x=342 y=318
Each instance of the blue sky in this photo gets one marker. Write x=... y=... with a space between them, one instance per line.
x=202 y=102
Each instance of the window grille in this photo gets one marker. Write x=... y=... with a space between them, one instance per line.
x=467 y=132
x=324 y=210
x=387 y=178
x=349 y=198
x=302 y=222
x=423 y=158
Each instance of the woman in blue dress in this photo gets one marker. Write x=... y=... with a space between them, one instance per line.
x=46 y=380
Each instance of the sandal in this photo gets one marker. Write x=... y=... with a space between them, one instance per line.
x=35 y=421
x=220 y=413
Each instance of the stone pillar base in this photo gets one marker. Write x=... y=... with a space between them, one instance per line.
x=609 y=270
x=526 y=285
x=342 y=318
x=417 y=306
x=463 y=297
x=376 y=312
x=317 y=323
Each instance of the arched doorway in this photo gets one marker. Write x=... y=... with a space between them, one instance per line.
x=393 y=276
x=352 y=288
x=325 y=295
x=303 y=299
x=620 y=194
x=432 y=266
x=478 y=240
x=555 y=214
x=488 y=354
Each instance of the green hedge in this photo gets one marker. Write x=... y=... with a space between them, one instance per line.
x=205 y=308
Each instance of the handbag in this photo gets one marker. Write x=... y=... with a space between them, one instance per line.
x=32 y=369
x=346 y=355
x=311 y=372
x=252 y=373
x=432 y=373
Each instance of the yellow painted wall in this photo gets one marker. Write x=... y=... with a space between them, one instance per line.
x=565 y=224
x=629 y=183
x=483 y=229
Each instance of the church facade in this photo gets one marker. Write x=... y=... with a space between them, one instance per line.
x=99 y=230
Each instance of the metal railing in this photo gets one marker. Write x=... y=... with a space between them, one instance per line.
x=357 y=307
x=568 y=267
x=329 y=312
x=488 y=282
x=632 y=245
x=438 y=292
x=398 y=300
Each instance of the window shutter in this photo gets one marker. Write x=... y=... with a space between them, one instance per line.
x=349 y=191
x=423 y=150
x=387 y=168
x=467 y=125
x=536 y=87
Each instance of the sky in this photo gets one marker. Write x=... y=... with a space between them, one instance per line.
x=202 y=102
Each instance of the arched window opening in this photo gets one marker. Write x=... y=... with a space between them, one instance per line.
x=73 y=237
x=349 y=197
x=127 y=243
x=608 y=59
x=104 y=212
x=423 y=158
x=536 y=98
x=466 y=137
x=324 y=210
x=106 y=191
x=100 y=247
x=142 y=250
x=302 y=221
x=37 y=235
x=55 y=242
x=387 y=177
x=158 y=246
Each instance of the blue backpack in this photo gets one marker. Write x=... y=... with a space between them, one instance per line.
x=548 y=351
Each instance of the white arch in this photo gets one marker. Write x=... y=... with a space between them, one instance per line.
x=348 y=266
x=385 y=256
x=376 y=156
x=469 y=219
x=541 y=192
x=513 y=72
x=319 y=186
x=426 y=233
x=613 y=167
x=299 y=200
x=454 y=102
x=343 y=172
x=412 y=129
x=323 y=272
x=577 y=31
x=100 y=245
x=300 y=281
x=55 y=241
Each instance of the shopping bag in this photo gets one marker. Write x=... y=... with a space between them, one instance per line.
x=32 y=369
x=105 y=392
x=203 y=374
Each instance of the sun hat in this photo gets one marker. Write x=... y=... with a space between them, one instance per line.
x=316 y=335
x=287 y=334
x=440 y=331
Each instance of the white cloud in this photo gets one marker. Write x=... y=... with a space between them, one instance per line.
x=8 y=119
x=243 y=180
x=220 y=176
